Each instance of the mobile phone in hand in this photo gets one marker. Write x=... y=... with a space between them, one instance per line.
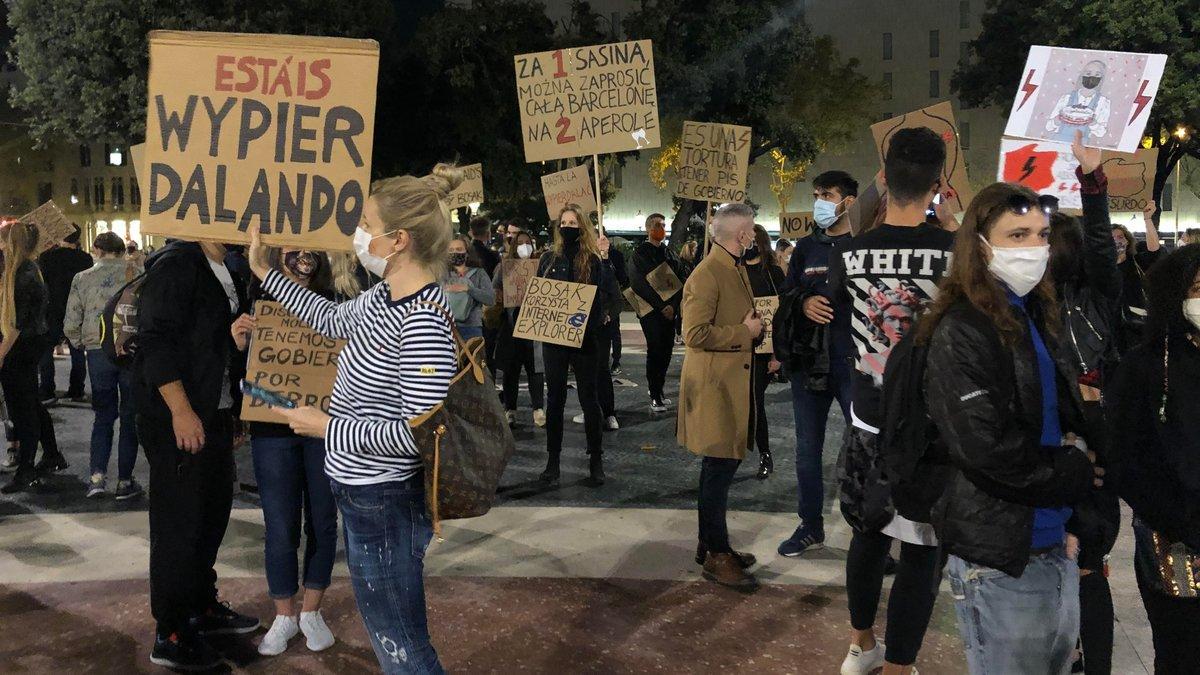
x=272 y=398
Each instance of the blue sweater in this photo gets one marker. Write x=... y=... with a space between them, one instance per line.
x=809 y=271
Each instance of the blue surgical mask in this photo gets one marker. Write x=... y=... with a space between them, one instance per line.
x=825 y=213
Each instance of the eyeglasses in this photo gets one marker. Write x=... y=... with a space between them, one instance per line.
x=1019 y=204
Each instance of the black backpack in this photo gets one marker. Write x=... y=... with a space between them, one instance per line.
x=119 y=323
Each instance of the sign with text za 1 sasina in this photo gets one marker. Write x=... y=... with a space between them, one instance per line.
x=713 y=162
x=587 y=100
x=266 y=131
x=289 y=357
x=555 y=311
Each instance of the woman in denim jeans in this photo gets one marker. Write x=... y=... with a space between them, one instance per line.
x=1007 y=409
x=397 y=364
x=290 y=472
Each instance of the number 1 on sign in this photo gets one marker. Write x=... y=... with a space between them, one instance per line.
x=561 y=72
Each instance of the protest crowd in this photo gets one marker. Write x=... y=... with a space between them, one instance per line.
x=1007 y=374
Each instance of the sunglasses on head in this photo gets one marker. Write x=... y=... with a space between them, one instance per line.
x=1019 y=204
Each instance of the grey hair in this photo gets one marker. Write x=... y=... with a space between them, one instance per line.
x=723 y=219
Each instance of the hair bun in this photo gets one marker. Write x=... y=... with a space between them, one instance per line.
x=444 y=179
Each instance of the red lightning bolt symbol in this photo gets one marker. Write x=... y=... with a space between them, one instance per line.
x=1028 y=87
x=1141 y=100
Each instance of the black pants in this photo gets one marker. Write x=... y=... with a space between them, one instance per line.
x=913 y=592
x=190 y=499
x=490 y=336
x=585 y=363
x=604 y=382
x=1096 y=623
x=31 y=421
x=716 y=477
x=521 y=356
x=660 y=340
x=615 y=327
x=46 y=366
x=762 y=436
x=1175 y=625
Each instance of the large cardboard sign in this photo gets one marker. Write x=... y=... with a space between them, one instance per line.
x=664 y=281
x=555 y=312
x=1049 y=168
x=713 y=162
x=766 y=306
x=470 y=191
x=940 y=118
x=288 y=357
x=517 y=273
x=51 y=224
x=587 y=100
x=258 y=131
x=573 y=186
x=796 y=224
x=640 y=306
x=137 y=157
x=1106 y=95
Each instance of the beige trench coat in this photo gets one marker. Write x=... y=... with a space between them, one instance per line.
x=714 y=389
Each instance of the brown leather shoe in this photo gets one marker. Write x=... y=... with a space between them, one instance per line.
x=726 y=569
x=747 y=560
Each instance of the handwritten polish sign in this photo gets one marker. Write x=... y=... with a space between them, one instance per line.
x=940 y=118
x=587 y=100
x=713 y=162
x=258 y=131
x=766 y=306
x=517 y=273
x=572 y=186
x=640 y=307
x=470 y=191
x=796 y=224
x=288 y=357
x=555 y=312
x=664 y=281
x=51 y=224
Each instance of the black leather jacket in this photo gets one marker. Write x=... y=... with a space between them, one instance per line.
x=986 y=400
x=561 y=268
x=1091 y=303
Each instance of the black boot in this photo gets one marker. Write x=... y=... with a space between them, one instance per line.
x=596 y=469
x=51 y=464
x=550 y=475
x=766 y=465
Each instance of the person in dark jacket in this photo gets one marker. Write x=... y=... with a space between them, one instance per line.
x=23 y=329
x=1007 y=406
x=59 y=266
x=1153 y=404
x=187 y=402
x=513 y=354
x=480 y=232
x=1134 y=260
x=659 y=325
x=575 y=257
x=766 y=279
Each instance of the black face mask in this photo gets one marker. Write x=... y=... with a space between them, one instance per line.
x=303 y=264
x=570 y=235
x=1090 y=81
x=751 y=253
x=457 y=259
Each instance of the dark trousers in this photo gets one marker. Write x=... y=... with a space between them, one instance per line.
x=522 y=356
x=913 y=592
x=1096 y=623
x=810 y=410
x=489 y=349
x=604 y=382
x=31 y=421
x=716 y=477
x=762 y=436
x=614 y=328
x=190 y=499
x=660 y=340
x=387 y=533
x=78 y=367
x=112 y=397
x=584 y=363
x=290 y=472
x=1175 y=625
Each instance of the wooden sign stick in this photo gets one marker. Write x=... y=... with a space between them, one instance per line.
x=707 y=220
x=599 y=201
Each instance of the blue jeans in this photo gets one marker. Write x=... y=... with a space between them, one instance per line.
x=1026 y=624
x=290 y=471
x=468 y=332
x=112 y=397
x=387 y=533
x=811 y=412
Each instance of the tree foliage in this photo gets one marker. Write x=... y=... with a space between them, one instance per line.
x=1169 y=27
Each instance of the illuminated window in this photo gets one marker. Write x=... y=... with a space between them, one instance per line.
x=135 y=192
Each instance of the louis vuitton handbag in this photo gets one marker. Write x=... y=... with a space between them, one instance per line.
x=465 y=441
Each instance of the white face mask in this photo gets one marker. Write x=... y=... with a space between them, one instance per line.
x=1021 y=269
x=524 y=250
x=1191 y=311
x=362 y=248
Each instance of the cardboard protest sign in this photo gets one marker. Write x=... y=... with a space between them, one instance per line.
x=1049 y=168
x=940 y=118
x=640 y=307
x=1106 y=95
x=288 y=357
x=587 y=100
x=713 y=162
x=517 y=273
x=766 y=306
x=573 y=186
x=258 y=131
x=555 y=312
x=51 y=224
x=664 y=281
x=470 y=191
x=137 y=155
x=796 y=224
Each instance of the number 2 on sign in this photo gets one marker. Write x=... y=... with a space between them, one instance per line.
x=563 y=124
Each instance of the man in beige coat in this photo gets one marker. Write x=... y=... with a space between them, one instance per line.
x=720 y=330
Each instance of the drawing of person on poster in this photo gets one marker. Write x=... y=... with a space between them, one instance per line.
x=1083 y=109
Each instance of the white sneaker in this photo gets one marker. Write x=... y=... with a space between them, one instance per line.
x=10 y=462
x=859 y=662
x=578 y=419
x=317 y=635
x=511 y=417
x=97 y=486
x=611 y=423
x=275 y=641
x=539 y=417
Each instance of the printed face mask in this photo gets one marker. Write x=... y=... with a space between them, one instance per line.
x=362 y=248
x=524 y=250
x=458 y=259
x=1021 y=269
x=825 y=213
x=303 y=264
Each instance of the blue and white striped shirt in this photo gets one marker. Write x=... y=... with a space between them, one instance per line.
x=396 y=365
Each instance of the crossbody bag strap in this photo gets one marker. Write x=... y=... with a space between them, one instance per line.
x=460 y=344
